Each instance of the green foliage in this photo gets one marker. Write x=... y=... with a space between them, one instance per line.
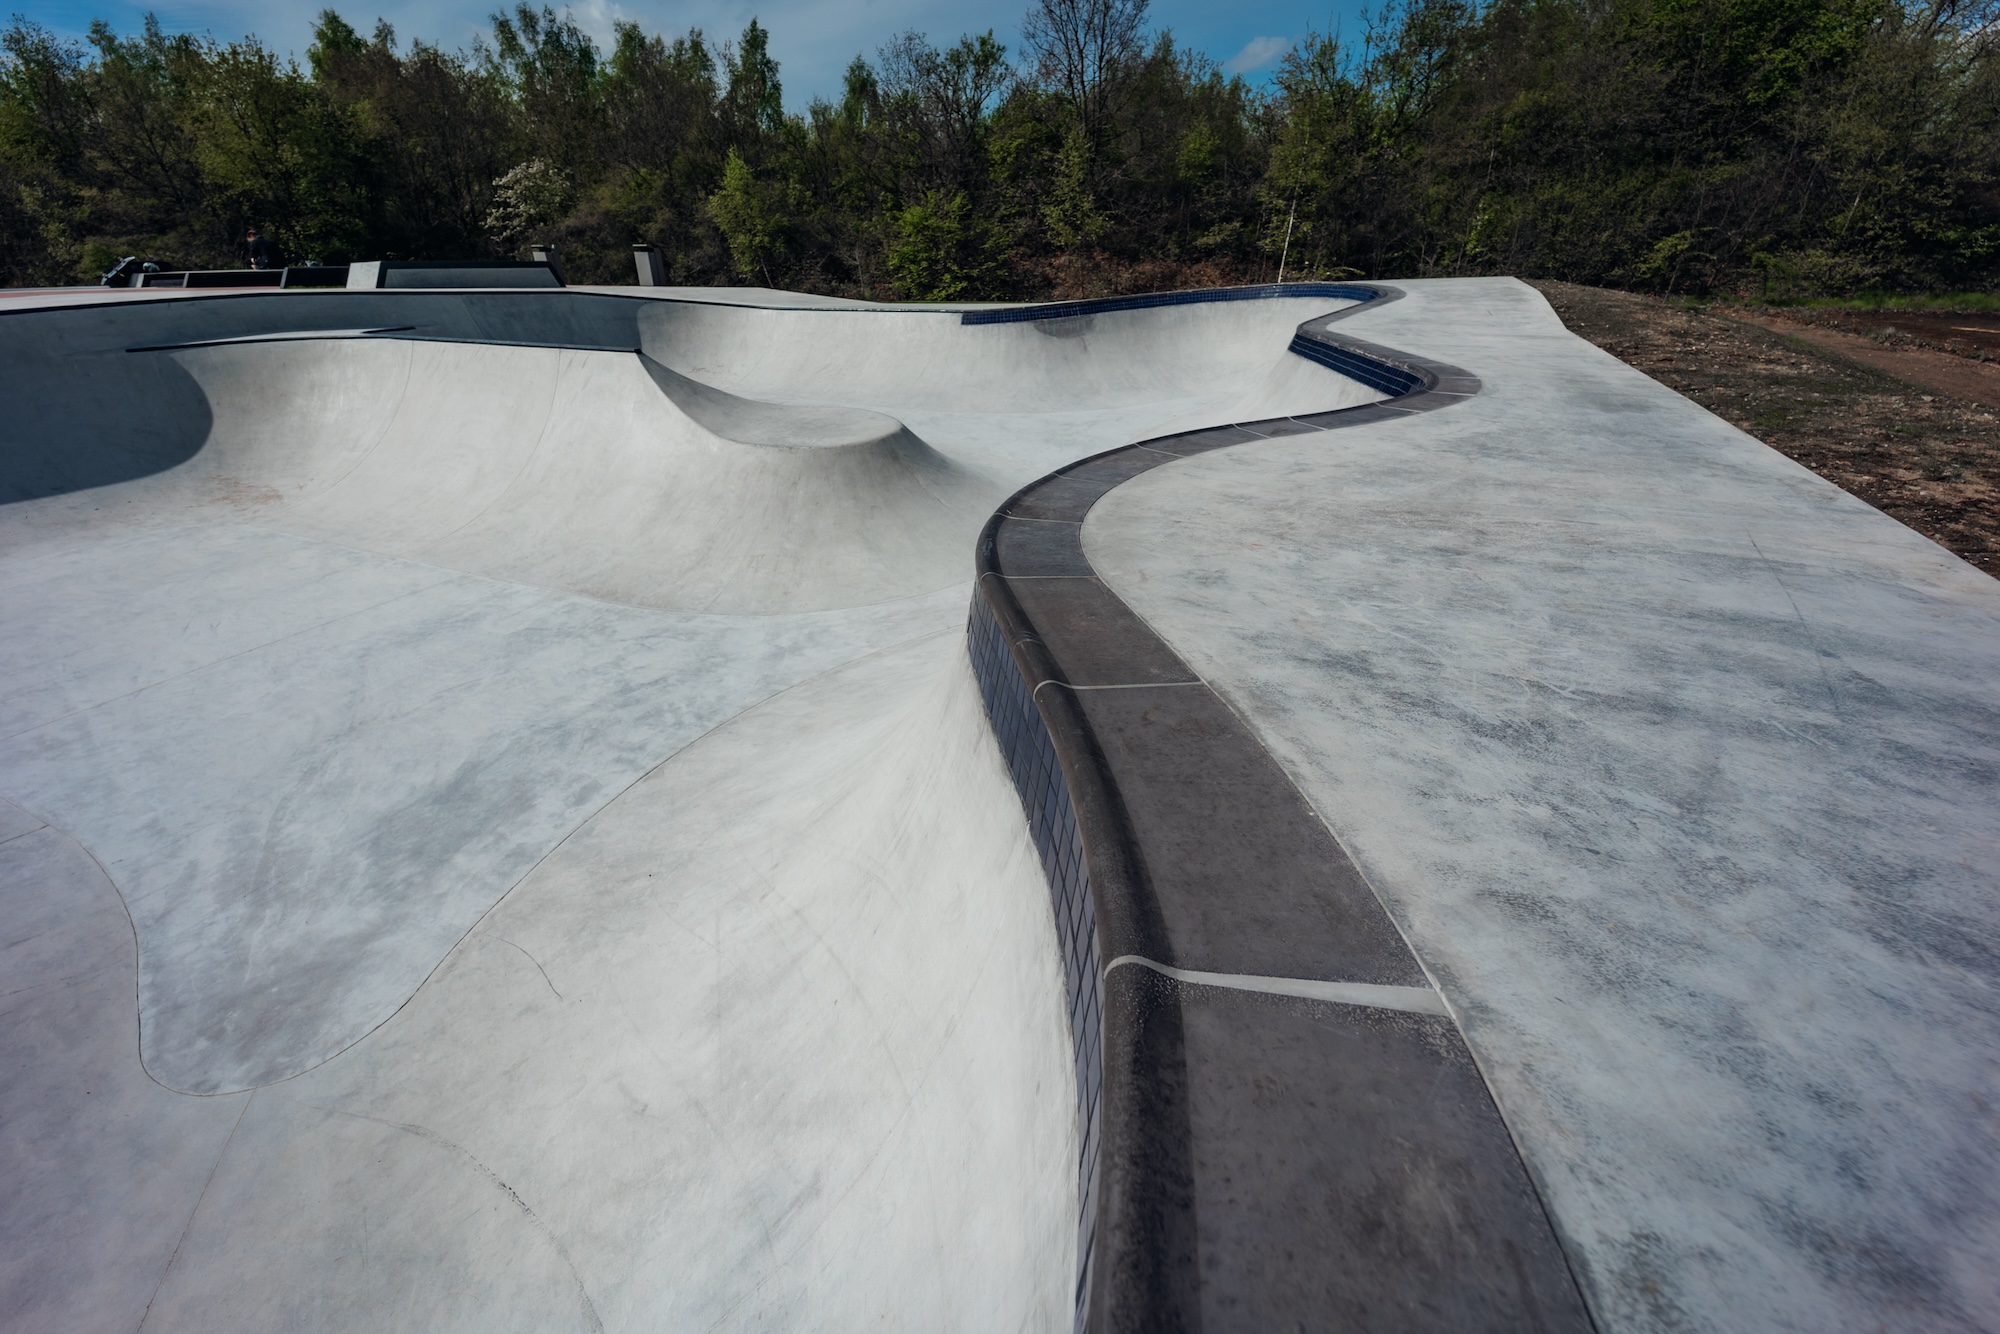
x=1071 y=213
x=751 y=218
x=551 y=67
x=1794 y=148
x=754 y=103
x=939 y=252
x=1984 y=303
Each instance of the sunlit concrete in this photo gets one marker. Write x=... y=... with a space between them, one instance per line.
x=503 y=836
x=1679 y=767
x=497 y=832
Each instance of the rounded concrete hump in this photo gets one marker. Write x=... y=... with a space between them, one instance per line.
x=749 y=421
x=772 y=507
x=653 y=489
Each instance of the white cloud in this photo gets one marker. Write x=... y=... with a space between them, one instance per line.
x=598 y=18
x=1257 y=53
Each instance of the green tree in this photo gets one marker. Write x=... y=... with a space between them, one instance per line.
x=551 y=67
x=1817 y=145
x=437 y=129
x=751 y=218
x=1071 y=213
x=754 y=101
x=938 y=254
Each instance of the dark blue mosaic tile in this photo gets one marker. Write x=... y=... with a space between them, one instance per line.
x=1371 y=371
x=1062 y=310
x=1009 y=693
x=1051 y=815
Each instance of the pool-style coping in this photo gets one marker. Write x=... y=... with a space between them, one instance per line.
x=1280 y=1124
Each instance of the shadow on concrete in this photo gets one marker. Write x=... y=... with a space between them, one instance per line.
x=76 y=423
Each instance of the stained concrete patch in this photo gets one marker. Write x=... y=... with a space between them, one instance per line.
x=659 y=1099
x=103 y=1166
x=460 y=728
x=1679 y=767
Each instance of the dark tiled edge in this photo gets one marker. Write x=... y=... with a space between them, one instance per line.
x=1245 y=1160
x=1006 y=315
x=1063 y=310
x=1029 y=746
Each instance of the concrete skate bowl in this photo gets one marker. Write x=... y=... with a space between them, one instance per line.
x=419 y=917
x=597 y=472
x=523 y=439
x=1222 y=352
x=374 y=655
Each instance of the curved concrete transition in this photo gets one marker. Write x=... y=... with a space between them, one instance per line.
x=504 y=825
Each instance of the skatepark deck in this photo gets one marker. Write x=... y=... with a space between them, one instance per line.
x=505 y=826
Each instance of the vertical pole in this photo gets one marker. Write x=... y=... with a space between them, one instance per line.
x=1286 y=254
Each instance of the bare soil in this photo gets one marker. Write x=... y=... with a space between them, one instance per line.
x=1963 y=333
x=1958 y=373
x=1928 y=458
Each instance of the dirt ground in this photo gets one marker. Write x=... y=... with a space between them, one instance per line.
x=1964 y=372
x=1928 y=458
x=1962 y=332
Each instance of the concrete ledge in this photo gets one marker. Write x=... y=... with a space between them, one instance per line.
x=1253 y=1155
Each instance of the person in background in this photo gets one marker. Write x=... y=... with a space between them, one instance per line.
x=263 y=255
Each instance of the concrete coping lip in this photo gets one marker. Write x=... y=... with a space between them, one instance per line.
x=280 y=336
x=1175 y=842
x=964 y=312
x=1108 y=305
x=401 y=333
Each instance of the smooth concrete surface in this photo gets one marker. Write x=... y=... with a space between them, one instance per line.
x=706 y=1066
x=502 y=836
x=1677 y=766
x=1302 y=1165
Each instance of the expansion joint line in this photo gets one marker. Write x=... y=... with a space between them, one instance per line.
x=1410 y=1000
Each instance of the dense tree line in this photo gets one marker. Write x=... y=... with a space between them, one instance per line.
x=1821 y=145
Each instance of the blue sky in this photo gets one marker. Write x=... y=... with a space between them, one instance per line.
x=812 y=39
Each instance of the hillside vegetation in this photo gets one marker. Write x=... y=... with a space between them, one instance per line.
x=1787 y=147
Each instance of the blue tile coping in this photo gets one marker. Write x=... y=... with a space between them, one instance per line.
x=1063 y=310
x=1280 y=1125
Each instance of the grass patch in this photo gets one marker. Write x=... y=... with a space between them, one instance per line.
x=1968 y=302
